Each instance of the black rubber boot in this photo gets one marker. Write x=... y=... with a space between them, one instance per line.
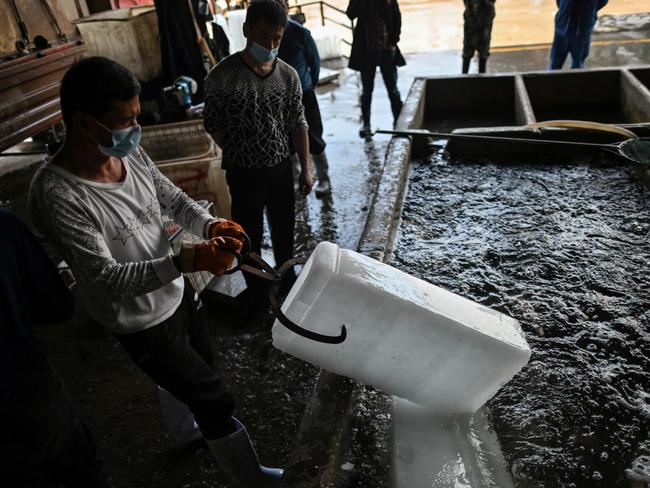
x=322 y=168
x=236 y=456
x=466 y=62
x=482 y=65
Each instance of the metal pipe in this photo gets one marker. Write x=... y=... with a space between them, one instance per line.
x=23 y=153
x=335 y=22
x=475 y=137
x=53 y=19
x=21 y=24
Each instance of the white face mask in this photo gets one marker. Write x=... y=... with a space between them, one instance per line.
x=261 y=54
x=124 y=140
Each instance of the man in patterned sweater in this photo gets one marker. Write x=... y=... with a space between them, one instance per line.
x=99 y=202
x=253 y=103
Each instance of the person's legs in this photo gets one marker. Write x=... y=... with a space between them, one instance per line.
x=315 y=122
x=483 y=47
x=247 y=192
x=559 y=51
x=585 y=48
x=181 y=426
x=367 y=87
x=466 y=62
x=469 y=40
x=182 y=429
x=322 y=172
x=247 y=203
x=316 y=142
x=198 y=330
x=389 y=74
x=281 y=213
x=579 y=49
x=482 y=65
x=78 y=464
x=164 y=353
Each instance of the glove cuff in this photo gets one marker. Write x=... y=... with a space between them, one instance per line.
x=186 y=257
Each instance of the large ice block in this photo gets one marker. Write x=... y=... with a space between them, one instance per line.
x=405 y=336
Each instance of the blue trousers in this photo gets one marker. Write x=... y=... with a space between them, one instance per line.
x=576 y=44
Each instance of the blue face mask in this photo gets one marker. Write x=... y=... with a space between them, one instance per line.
x=124 y=141
x=261 y=54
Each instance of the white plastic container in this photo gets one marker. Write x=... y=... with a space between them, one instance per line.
x=128 y=36
x=404 y=335
x=236 y=19
x=328 y=42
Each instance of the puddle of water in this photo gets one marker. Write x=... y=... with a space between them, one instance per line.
x=564 y=249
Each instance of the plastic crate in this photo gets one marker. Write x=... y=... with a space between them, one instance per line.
x=169 y=143
x=128 y=36
x=202 y=179
x=187 y=155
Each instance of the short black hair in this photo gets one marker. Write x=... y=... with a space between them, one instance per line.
x=268 y=11
x=92 y=84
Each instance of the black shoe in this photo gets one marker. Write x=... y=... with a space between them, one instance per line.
x=482 y=65
x=365 y=132
x=466 y=62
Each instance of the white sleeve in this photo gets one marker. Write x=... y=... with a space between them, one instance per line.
x=57 y=214
x=176 y=203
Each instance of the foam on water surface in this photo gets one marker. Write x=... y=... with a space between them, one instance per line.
x=564 y=249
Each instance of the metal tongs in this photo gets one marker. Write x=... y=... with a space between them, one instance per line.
x=268 y=273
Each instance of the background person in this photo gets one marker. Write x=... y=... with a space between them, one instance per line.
x=298 y=49
x=99 y=200
x=42 y=441
x=253 y=105
x=374 y=44
x=477 y=31
x=574 y=22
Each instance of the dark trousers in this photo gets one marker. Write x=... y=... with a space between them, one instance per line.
x=53 y=450
x=252 y=191
x=312 y=114
x=477 y=32
x=177 y=355
x=388 y=70
x=577 y=45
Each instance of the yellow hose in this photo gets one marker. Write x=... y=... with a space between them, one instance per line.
x=584 y=124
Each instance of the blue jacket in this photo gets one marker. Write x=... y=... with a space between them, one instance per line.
x=577 y=17
x=298 y=49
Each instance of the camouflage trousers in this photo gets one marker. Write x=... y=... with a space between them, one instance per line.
x=477 y=34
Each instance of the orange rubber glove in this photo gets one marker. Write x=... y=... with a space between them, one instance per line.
x=224 y=228
x=208 y=255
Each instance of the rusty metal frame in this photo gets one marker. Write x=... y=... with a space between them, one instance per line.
x=29 y=91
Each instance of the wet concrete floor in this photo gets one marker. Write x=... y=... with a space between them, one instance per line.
x=118 y=401
x=433 y=25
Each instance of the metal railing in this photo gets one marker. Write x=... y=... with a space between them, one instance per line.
x=322 y=7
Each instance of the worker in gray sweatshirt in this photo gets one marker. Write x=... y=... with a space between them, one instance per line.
x=99 y=200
